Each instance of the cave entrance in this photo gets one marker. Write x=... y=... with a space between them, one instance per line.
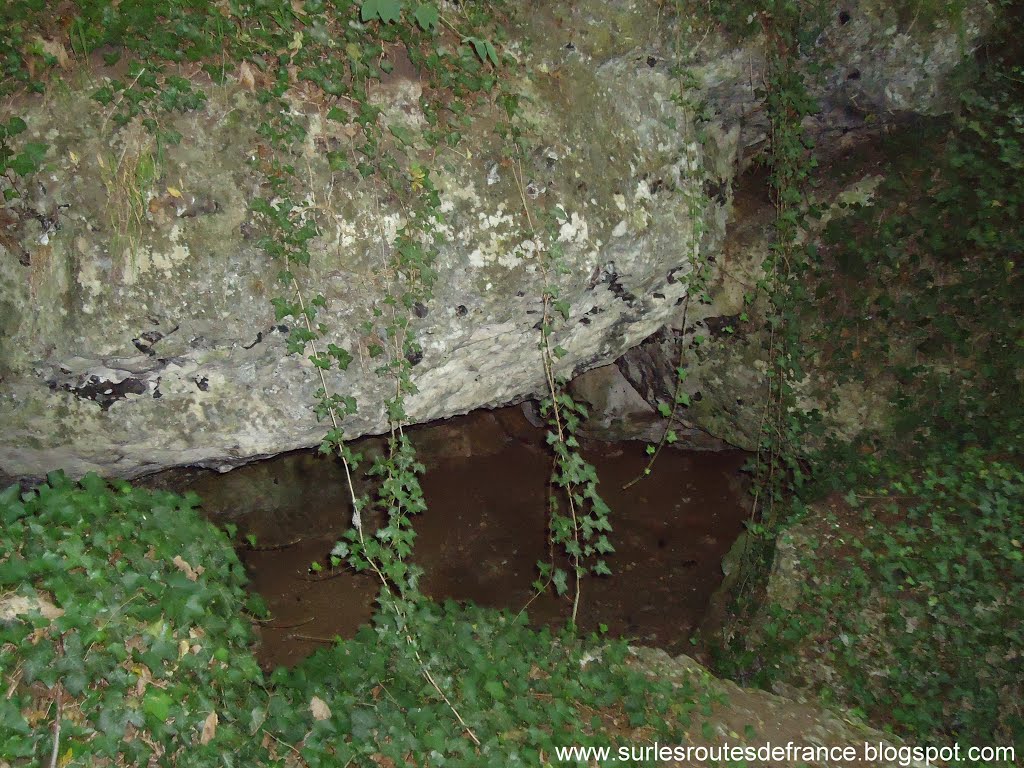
x=484 y=530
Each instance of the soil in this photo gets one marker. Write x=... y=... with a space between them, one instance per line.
x=484 y=531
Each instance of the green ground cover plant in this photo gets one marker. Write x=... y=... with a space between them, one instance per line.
x=157 y=57
x=151 y=641
x=914 y=583
x=913 y=599
x=150 y=661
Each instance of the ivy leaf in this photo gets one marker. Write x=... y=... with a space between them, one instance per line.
x=337 y=161
x=15 y=126
x=403 y=134
x=341 y=355
x=427 y=17
x=560 y=581
x=338 y=115
x=282 y=308
x=363 y=723
x=496 y=689
x=157 y=704
x=30 y=160
x=484 y=49
x=387 y=11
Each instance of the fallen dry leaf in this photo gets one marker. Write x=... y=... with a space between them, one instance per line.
x=319 y=708
x=57 y=50
x=190 y=573
x=15 y=605
x=209 y=728
x=246 y=77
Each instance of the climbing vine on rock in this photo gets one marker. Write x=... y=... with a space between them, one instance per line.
x=902 y=541
x=692 y=178
x=404 y=268
x=779 y=464
x=578 y=518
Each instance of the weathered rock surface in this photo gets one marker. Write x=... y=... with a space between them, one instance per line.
x=746 y=717
x=725 y=357
x=137 y=327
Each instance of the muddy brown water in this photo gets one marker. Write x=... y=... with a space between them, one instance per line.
x=483 y=533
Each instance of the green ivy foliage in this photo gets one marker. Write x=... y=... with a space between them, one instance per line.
x=915 y=595
x=152 y=642
x=524 y=693
x=927 y=284
x=920 y=609
x=23 y=163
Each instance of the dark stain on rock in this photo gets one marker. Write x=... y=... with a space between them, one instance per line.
x=717 y=191
x=610 y=277
x=101 y=391
x=144 y=341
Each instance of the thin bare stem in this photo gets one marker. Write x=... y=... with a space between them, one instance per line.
x=55 y=754
x=549 y=376
x=646 y=471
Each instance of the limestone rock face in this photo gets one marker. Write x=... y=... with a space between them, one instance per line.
x=137 y=330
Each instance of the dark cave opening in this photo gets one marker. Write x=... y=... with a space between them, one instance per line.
x=486 y=485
